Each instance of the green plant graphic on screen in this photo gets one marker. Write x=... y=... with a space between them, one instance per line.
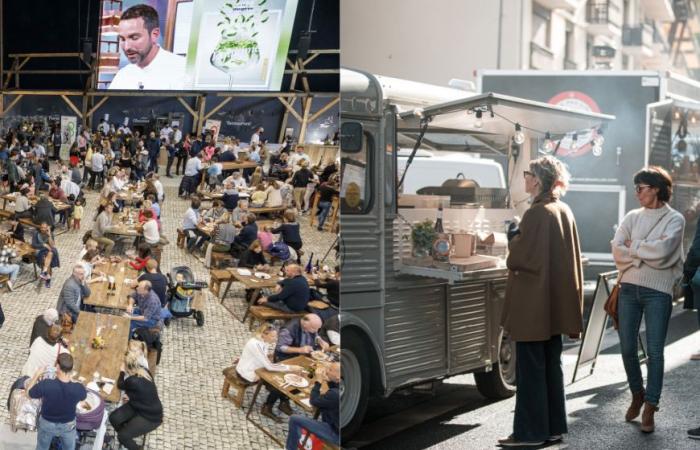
x=239 y=26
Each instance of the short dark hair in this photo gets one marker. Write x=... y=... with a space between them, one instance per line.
x=656 y=177
x=147 y=13
x=196 y=203
x=65 y=362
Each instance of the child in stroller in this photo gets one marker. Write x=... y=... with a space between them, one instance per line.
x=182 y=287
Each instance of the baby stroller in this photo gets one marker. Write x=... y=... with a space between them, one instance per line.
x=181 y=291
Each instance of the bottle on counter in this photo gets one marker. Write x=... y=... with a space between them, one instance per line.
x=438 y=221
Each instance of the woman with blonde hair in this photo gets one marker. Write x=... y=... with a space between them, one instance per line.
x=544 y=299
x=648 y=252
x=143 y=412
x=255 y=356
x=257 y=177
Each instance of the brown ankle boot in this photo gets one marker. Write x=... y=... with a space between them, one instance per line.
x=635 y=407
x=648 y=418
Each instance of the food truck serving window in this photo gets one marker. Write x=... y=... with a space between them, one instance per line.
x=356 y=185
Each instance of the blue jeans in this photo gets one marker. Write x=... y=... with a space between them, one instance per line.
x=323 y=210
x=150 y=323
x=635 y=301
x=10 y=269
x=321 y=429
x=48 y=430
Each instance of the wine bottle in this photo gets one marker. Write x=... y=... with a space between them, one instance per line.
x=309 y=265
x=438 y=222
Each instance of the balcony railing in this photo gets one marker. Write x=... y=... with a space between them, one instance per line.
x=598 y=12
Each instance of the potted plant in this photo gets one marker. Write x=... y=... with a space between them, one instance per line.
x=422 y=236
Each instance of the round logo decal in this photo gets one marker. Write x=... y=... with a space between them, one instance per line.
x=352 y=195
x=577 y=101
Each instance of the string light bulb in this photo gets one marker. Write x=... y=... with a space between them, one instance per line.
x=548 y=144
x=478 y=123
x=519 y=136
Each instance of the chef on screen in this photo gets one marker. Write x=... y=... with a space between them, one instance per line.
x=150 y=66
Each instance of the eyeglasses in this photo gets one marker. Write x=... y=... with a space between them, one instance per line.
x=640 y=187
x=527 y=173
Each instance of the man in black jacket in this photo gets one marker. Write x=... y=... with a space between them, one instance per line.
x=328 y=404
x=293 y=292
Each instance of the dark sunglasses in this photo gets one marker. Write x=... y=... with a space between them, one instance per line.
x=640 y=187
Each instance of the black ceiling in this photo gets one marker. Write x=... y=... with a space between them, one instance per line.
x=44 y=26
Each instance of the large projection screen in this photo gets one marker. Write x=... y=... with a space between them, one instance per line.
x=194 y=45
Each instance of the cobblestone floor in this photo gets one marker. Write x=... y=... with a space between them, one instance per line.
x=189 y=376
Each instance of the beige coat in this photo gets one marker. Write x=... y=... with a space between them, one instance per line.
x=544 y=294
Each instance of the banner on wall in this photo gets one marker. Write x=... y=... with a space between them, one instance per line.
x=69 y=127
x=214 y=126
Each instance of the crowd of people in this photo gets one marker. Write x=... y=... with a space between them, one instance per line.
x=104 y=165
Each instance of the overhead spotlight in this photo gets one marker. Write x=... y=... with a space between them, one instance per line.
x=478 y=123
x=693 y=119
x=519 y=136
x=677 y=115
x=548 y=144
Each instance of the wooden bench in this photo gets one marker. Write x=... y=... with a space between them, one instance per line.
x=218 y=257
x=272 y=211
x=265 y=314
x=233 y=380
x=216 y=279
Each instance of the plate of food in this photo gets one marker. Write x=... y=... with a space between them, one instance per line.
x=263 y=275
x=318 y=355
x=295 y=380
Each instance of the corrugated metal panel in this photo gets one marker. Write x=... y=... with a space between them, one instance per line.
x=400 y=240
x=414 y=333
x=468 y=325
x=361 y=253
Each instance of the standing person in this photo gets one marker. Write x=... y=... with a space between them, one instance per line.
x=545 y=262
x=190 y=180
x=255 y=138
x=648 y=251
x=143 y=412
x=98 y=166
x=182 y=154
x=300 y=180
x=153 y=146
x=59 y=397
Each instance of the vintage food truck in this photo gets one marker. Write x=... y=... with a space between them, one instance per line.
x=407 y=318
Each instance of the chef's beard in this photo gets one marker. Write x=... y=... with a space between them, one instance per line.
x=140 y=56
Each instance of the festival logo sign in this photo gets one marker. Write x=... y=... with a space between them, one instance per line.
x=577 y=101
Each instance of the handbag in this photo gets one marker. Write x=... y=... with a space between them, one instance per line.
x=611 y=303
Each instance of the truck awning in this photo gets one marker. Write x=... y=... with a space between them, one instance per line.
x=460 y=115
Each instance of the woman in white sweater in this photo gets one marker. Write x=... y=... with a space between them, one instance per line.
x=648 y=252
x=255 y=355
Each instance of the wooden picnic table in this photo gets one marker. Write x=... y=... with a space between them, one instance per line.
x=24 y=250
x=130 y=195
x=117 y=300
x=235 y=165
x=57 y=204
x=106 y=361
x=271 y=210
x=214 y=195
x=300 y=396
x=122 y=228
x=250 y=282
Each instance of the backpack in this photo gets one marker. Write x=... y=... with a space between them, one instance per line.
x=279 y=250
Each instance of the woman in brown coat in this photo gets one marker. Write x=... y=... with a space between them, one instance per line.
x=544 y=299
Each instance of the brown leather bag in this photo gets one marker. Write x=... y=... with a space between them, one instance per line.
x=66 y=324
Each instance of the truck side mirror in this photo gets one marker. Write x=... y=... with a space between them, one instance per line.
x=351 y=137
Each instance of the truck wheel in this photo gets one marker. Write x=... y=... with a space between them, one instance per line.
x=499 y=383
x=354 y=385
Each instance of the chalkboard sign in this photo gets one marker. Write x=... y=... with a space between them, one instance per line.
x=660 y=133
x=596 y=324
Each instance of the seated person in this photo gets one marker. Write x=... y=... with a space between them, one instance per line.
x=331 y=283
x=147 y=312
x=43 y=353
x=330 y=331
x=159 y=282
x=42 y=324
x=144 y=255
x=246 y=236
x=290 y=232
x=216 y=211
x=239 y=214
x=327 y=404
x=265 y=237
x=297 y=337
x=151 y=233
x=143 y=412
x=73 y=291
x=255 y=355
x=237 y=180
x=257 y=200
x=190 y=222
x=223 y=236
x=293 y=292
x=47 y=253
x=274 y=195
x=253 y=258
x=230 y=197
